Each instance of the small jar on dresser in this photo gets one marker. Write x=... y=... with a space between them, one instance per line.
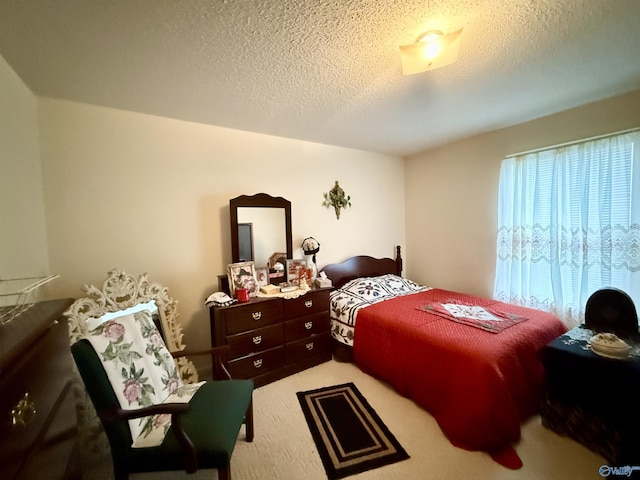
x=271 y=338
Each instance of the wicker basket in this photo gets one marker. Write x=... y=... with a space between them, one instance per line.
x=19 y=294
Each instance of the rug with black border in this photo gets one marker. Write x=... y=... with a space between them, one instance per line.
x=349 y=435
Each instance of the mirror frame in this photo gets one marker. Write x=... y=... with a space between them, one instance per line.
x=258 y=200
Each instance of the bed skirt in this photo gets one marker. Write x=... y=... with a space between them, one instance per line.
x=342 y=353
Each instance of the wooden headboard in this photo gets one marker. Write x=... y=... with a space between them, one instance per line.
x=362 y=266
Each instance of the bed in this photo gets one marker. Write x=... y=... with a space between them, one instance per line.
x=471 y=362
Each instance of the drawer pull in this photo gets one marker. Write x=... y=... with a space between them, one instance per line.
x=308 y=303
x=309 y=346
x=256 y=315
x=257 y=363
x=23 y=412
x=257 y=340
x=308 y=325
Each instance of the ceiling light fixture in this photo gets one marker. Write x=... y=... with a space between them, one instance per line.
x=431 y=50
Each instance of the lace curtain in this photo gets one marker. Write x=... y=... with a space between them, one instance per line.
x=569 y=224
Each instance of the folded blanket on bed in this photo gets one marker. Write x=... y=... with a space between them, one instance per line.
x=488 y=319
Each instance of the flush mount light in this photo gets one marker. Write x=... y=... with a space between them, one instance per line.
x=431 y=50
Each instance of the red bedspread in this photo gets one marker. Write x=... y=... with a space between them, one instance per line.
x=478 y=385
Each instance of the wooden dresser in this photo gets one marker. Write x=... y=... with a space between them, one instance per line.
x=38 y=427
x=271 y=338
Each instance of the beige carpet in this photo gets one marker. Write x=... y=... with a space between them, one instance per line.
x=283 y=447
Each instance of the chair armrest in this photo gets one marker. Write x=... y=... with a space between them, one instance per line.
x=220 y=355
x=175 y=409
x=115 y=414
x=222 y=350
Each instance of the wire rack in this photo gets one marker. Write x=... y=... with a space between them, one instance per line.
x=19 y=294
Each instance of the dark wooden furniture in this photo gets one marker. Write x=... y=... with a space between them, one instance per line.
x=612 y=310
x=592 y=399
x=260 y=200
x=38 y=430
x=271 y=338
x=362 y=266
x=357 y=267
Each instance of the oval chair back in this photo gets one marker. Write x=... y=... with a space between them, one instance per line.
x=611 y=310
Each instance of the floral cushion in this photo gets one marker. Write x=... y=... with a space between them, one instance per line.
x=141 y=370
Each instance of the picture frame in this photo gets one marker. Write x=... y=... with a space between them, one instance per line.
x=296 y=271
x=275 y=258
x=262 y=276
x=243 y=275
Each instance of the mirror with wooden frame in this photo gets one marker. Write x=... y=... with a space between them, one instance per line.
x=260 y=228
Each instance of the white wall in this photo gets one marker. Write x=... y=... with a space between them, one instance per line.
x=452 y=192
x=23 y=241
x=150 y=194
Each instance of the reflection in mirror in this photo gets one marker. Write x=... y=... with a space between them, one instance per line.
x=270 y=226
x=261 y=232
x=245 y=240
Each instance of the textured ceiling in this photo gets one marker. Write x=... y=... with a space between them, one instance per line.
x=327 y=71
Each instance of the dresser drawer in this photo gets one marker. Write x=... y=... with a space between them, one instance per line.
x=257 y=340
x=50 y=460
x=305 y=326
x=257 y=364
x=253 y=315
x=308 y=347
x=30 y=390
x=308 y=304
x=271 y=338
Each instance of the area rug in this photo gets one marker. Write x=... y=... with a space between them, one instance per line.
x=350 y=436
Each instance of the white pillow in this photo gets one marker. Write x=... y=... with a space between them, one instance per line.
x=93 y=323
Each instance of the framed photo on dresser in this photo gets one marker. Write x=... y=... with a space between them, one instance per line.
x=296 y=271
x=243 y=275
x=262 y=276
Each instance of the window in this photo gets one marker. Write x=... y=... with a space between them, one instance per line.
x=569 y=224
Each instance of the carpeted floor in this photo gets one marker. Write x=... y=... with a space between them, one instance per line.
x=283 y=448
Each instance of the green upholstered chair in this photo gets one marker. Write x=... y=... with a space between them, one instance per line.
x=202 y=432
